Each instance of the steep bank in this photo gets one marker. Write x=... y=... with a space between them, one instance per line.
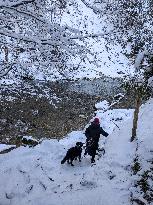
x=38 y=176
x=53 y=109
x=42 y=109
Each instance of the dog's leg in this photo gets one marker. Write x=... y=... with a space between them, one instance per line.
x=71 y=162
x=68 y=161
x=64 y=160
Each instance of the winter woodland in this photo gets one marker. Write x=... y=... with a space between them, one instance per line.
x=63 y=63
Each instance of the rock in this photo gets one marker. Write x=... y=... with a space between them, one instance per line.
x=28 y=140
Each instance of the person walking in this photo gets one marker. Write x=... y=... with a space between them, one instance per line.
x=92 y=134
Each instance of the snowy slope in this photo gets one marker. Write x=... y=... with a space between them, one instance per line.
x=110 y=59
x=106 y=56
x=143 y=180
x=5 y=147
x=35 y=176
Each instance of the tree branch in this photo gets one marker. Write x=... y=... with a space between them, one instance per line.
x=8 y=68
x=92 y=35
x=38 y=40
x=16 y=4
x=25 y=13
x=18 y=36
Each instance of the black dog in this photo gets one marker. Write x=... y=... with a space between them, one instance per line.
x=73 y=153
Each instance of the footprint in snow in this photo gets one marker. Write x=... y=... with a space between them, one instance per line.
x=88 y=184
x=111 y=175
x=9 y=195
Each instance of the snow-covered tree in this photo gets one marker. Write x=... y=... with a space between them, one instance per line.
x=132 y=24
x=137 y=87
x=132 y=19
x=32 y=38
x=32 y=29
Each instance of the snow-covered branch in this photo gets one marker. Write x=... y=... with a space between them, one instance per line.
x=16 y=3
x=8 y=67
x=19 y=36
x=25 y=13
x=96 y=35
x=139 y=58
x=48 y=41
x=44 y=43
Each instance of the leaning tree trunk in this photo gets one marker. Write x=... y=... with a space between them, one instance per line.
x=135 y=119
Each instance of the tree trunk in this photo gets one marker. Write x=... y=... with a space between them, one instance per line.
x=6 y=54
x=135 y=119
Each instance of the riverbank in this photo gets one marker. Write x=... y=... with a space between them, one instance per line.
x=51 y=109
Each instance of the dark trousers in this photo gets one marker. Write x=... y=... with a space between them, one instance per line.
x=91 y=148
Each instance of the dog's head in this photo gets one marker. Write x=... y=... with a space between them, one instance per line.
x=79 y=144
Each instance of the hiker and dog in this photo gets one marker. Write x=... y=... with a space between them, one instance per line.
x=92 y=134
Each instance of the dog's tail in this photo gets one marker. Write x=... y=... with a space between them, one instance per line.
x=64 y=160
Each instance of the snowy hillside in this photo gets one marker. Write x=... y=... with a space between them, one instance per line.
x=46 y=44
x=35 y=176
x=109 y=55
x=143 y=166
x=99 y=55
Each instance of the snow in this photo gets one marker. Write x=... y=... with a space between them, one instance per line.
x=145 y=146
x=150 y=82
x=104 y=56
x=7 y=81
x=5 y=146
x=139 y=59
x=18 y=2
x=29 y=138
x=110 y=59
x=39 y=178
x=102 y=105
x=34 y=175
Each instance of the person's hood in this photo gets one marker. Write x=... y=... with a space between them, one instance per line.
x=95 y=125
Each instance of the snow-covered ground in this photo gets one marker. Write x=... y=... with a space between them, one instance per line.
x=144 y=156
x=35 y=176
x=5 y=147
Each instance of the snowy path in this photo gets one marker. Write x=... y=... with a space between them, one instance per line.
x=35 y=176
